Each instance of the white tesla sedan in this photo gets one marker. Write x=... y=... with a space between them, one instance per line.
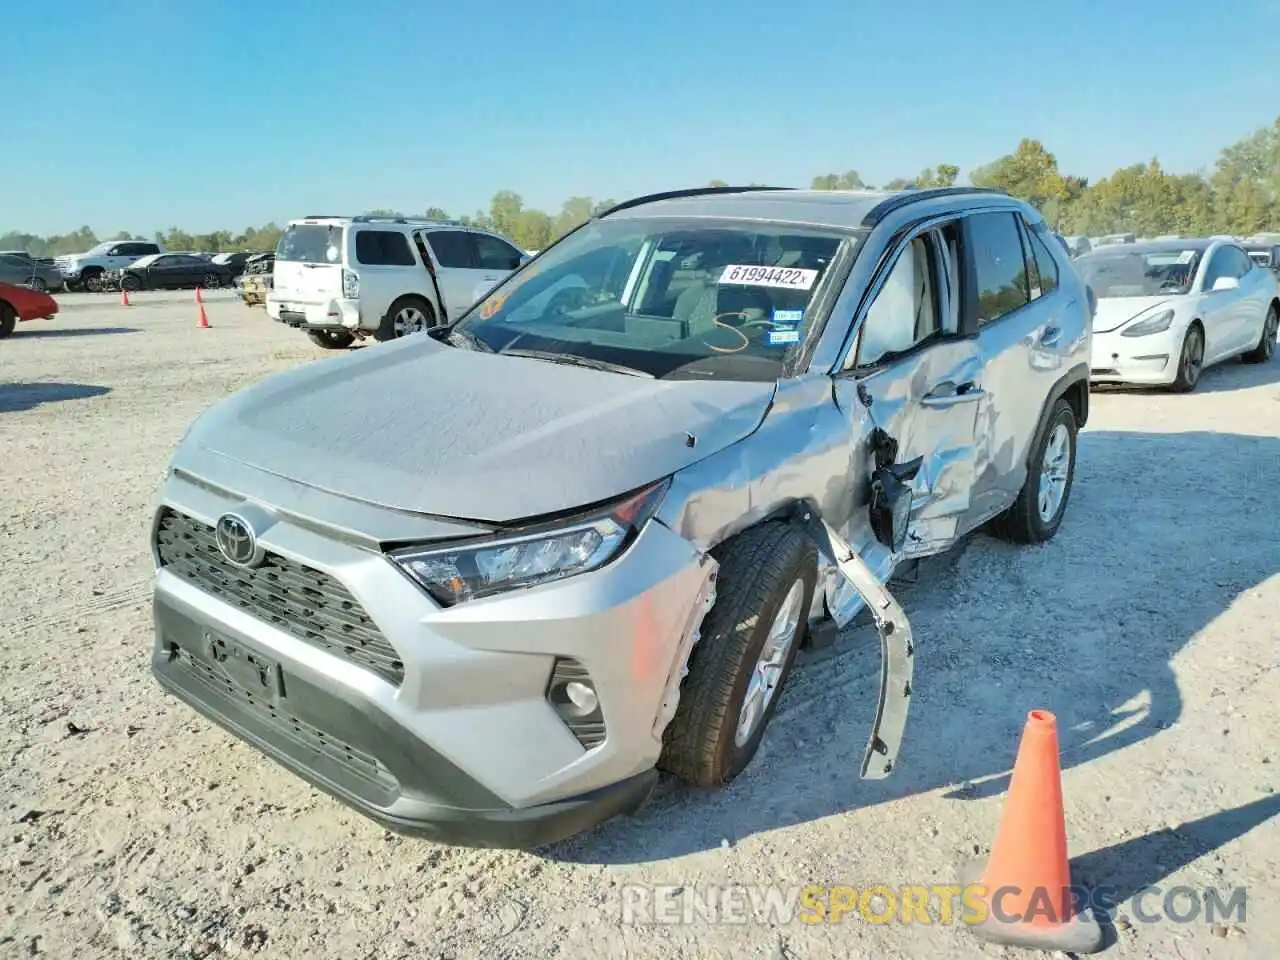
x=1167 y=309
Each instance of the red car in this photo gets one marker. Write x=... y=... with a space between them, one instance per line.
x=20 y=303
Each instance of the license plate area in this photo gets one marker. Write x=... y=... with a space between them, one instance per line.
x=255 y=674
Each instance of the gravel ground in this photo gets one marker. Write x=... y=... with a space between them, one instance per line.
x=133 y=828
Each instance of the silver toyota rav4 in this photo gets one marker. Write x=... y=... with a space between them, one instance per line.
x=482 y=583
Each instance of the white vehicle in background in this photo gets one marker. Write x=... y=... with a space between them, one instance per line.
x=1112 y=239
x=342 y=279
x=85 y=271
x=1167 y=310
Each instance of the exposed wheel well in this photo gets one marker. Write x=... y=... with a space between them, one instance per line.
x=1078 y=396
x=1275 y=304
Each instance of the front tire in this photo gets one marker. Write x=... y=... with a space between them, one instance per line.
x=1190 y=360
x=1266 y=347
x=8 y=320
x=747 y=648
x=38 y=285
x=130 y=284
x=1037 y=513
x=331 y=339
x=407 y=315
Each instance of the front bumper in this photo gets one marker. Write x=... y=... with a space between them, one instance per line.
x=334 y=314
x=464 y=747
x=1151 y=359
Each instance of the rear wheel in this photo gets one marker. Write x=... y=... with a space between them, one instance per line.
x=1190 y=361
x=38 y=284
x=1266 y=347
x=1037 y=513
x=8 y=319
x=742 y=660
x=331 y=339
x=407 y=315
x=211 y=281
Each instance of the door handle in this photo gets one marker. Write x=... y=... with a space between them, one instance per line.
x=949 y=395
x=1050 y=336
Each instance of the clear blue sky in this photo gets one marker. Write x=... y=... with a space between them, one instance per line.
x=150 y=113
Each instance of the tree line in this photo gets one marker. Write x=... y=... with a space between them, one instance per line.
x=1239 y=196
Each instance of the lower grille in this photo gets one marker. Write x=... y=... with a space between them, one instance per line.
x=304 y=602
x=355 y=762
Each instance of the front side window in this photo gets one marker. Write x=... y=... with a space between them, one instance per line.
x=904 y=312
x=494 y=254
x=667 y=298
x=385 y=248
x=998 y=261
x=1226 y=262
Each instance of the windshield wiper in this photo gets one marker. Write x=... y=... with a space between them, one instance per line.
x=576 y=361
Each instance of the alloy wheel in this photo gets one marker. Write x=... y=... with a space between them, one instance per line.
x=1055 y=468
x=774 y=654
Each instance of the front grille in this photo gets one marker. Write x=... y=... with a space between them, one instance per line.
x=356 y=762
x=304 y=602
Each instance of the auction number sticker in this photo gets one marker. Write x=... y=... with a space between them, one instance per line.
x=791 y=278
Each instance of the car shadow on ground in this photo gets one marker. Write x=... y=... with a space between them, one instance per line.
x=16 y=397
x=59 y=332
x=1085 y=626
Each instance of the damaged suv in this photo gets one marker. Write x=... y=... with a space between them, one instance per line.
x=688 y=438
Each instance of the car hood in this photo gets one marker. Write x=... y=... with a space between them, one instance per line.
x=416 y=425
x=1115 y=312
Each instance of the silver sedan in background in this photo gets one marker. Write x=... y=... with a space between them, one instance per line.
x=23 y=271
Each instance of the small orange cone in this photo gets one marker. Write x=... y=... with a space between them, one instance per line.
x=199 y=299
x=204 y=319
x=124 y=297
x=1027 y=880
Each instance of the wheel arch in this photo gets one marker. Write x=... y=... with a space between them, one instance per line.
x=1073 y=387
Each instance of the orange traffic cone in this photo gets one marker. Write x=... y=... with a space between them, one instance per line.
x=204 y=319
x=199 y=299
x=1027 y=880
x=124 y=297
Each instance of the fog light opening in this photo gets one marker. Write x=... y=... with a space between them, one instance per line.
x=573 y=695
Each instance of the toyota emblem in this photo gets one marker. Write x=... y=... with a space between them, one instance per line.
x=236 y=540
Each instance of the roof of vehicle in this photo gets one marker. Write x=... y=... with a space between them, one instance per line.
x=843 y=209
x=323 y=219
x=1261 y=244
x=1199 y=244
x=149 y=259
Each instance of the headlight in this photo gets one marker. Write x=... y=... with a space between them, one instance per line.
x=470 y=569
x=1157 y=324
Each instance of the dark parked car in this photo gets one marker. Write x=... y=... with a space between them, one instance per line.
x=169 y=270
x=235 y=262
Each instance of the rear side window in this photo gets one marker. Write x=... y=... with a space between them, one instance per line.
x=383 y=248
x=140 y=249
x=1042 y=268
x=452 y=248
x=494 y=254
x=996 y=249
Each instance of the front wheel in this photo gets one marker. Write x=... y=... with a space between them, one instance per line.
x=1037 y=513
x=1266 y=347
x=742 y=660
x=8 y=320
x=1190 y=361
x=37 y=284
x=211 y=281
x=331 y=339
x=130 y=283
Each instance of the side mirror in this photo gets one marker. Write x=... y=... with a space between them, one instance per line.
x=891 y=502
x=1225 y=283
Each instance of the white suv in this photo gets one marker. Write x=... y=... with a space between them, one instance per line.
x=346 y=278
x=86 y=270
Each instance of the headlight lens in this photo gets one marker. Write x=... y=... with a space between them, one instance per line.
x=1157 y=324
x=472 y=569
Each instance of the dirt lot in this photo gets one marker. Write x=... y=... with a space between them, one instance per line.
x=133 y=828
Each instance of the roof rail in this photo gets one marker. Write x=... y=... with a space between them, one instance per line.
x=914 y=194
x=369 y=218
x=677 y=194
x=325 y=216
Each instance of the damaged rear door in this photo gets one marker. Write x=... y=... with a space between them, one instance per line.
x=912 y=373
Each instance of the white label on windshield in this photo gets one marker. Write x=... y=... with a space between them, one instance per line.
x=792 y=278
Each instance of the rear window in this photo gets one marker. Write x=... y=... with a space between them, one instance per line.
x=310 y=243
x=383 y=248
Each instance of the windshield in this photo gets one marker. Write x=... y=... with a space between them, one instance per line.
x=666 y=298
x=1139 y=274
x=311 y=243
